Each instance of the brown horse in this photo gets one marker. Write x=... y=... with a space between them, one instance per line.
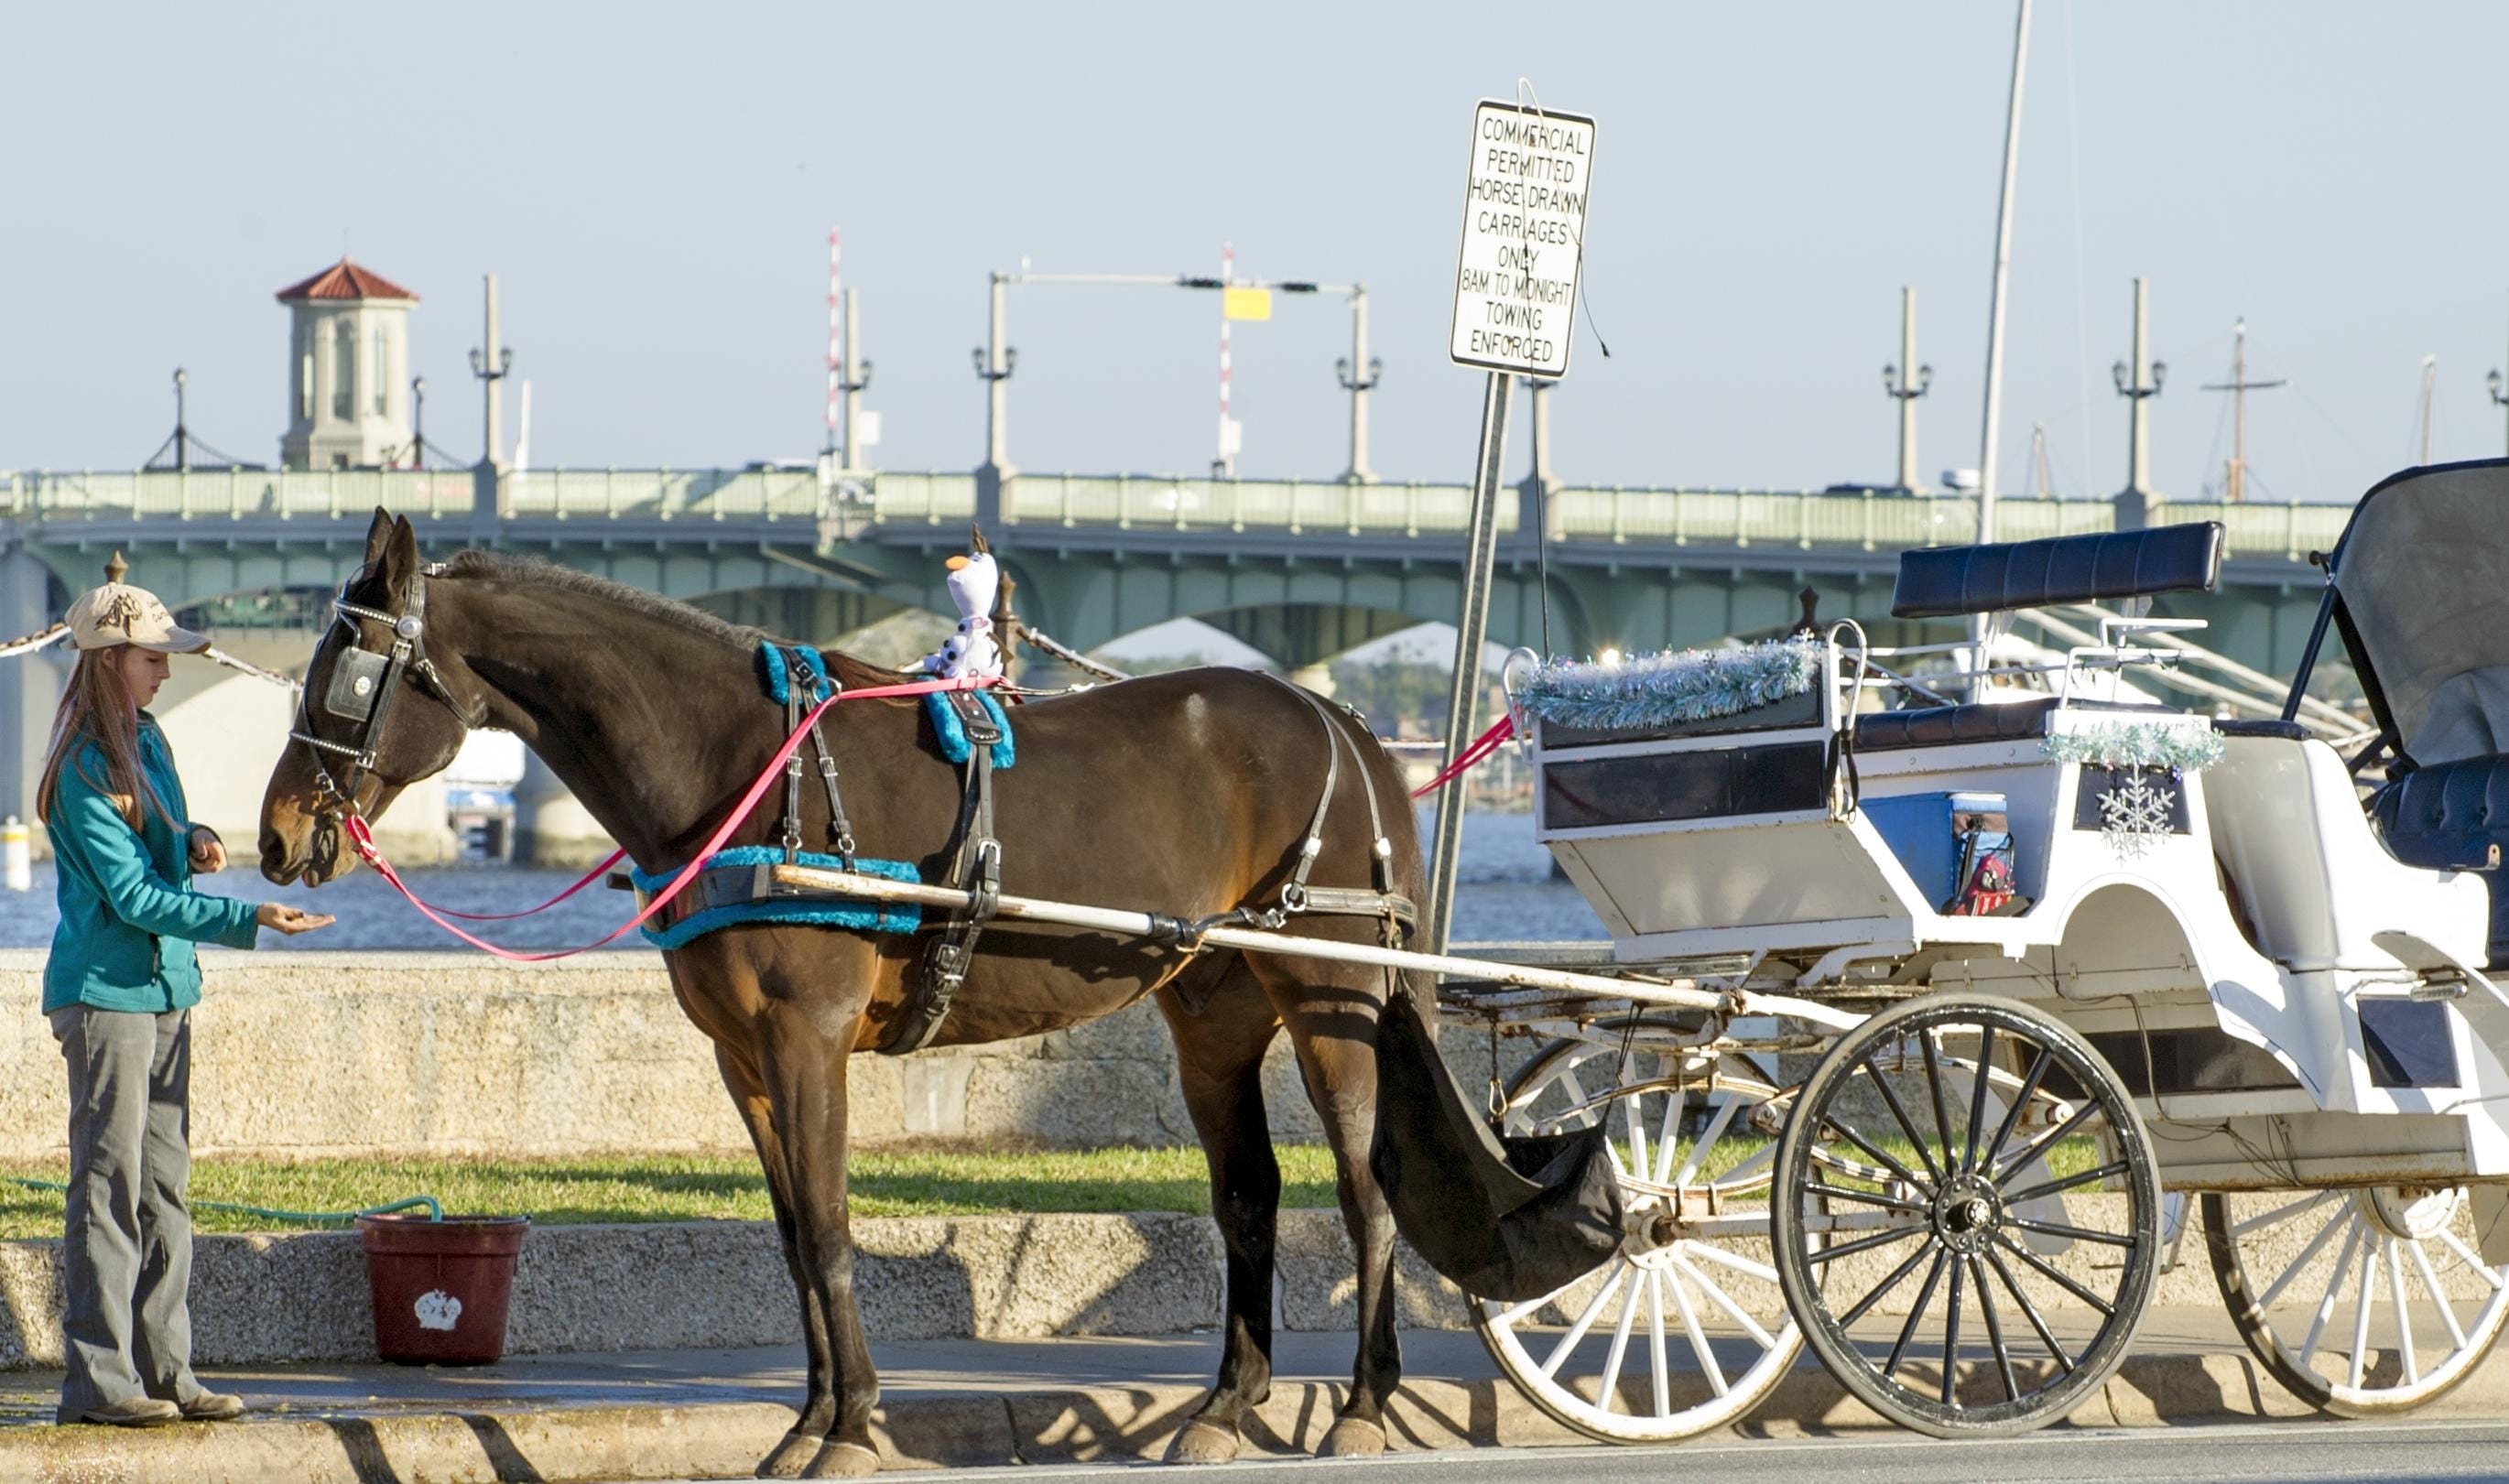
x=1187 y=794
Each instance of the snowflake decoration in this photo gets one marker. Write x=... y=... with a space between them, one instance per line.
x=2135 y=815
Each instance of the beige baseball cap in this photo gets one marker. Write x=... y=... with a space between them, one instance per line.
x=120 y=613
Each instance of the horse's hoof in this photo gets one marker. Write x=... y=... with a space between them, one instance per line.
x=1203 y=1443
x=791 y=1456
x=1352 y=1438
x=842 y=1461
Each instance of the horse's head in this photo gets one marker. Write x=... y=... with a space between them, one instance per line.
x=382 y=708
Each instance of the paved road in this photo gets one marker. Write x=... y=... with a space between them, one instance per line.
x=2391 y=1453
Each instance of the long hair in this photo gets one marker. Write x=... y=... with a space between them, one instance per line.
x=97 y=708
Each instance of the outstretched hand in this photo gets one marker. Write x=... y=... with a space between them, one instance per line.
x=281 y=918
x=209 y=852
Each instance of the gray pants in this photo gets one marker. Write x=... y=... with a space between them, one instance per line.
x=127 y=1260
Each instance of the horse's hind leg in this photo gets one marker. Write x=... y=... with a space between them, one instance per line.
x=1220 y=1053
x=819 y=1401
x=1332 y=1010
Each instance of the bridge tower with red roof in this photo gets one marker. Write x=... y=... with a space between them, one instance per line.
x=348 y=379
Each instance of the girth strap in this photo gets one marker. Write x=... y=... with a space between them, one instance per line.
x=975 y=869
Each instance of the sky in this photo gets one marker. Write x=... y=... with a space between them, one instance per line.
x=653 y=186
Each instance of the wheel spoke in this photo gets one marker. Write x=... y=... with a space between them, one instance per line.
x=1977 y=1094
x=2404 y=1319
x=1743 y=1168
x=1705 y=1141
x=1867 y=1197
x=2052 y=1187
x=1639 y=1164
x=2361 y=1311
x=1662 y=1378
x=2063 y=1229
x=1710 y=1252
x=1506 y=1318
x=1594 y=1310
x=1890 y=1100
x=1927 y=1052
x=2051 y=1271
x=1897 y=1276
x=2278 y=1214
x=1916 y=1312
x=1699 y=1344
x=1889 y=1164
x=2013 y=1118
x=1724 y=1300
x=1864 y=1243
x=1993 y=1329
x=1608 y=1391
x=2447 y=1311
x=2029 y=1311
x=2473 y=1259
x=1951 y=1326
x=2022 y=1157
x=2316 y=1245
x=2325 y=1311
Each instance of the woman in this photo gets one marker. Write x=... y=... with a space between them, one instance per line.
x=118 y=989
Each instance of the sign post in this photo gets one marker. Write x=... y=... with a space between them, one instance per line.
x=1516 y=293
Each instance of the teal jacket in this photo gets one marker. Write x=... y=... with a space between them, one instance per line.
x=129 y=914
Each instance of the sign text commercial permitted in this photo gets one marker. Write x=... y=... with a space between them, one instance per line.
x=1524 y=231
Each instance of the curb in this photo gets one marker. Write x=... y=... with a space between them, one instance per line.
x=561 y=1445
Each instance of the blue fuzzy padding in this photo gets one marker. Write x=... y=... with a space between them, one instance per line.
x=775 y=676
x=861 y=917
x=955 y=745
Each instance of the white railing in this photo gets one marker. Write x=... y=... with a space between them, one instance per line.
x=1641 y=517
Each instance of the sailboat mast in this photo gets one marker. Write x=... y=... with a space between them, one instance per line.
x=2002 y=273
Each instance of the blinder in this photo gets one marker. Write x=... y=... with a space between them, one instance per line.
x=361 y=687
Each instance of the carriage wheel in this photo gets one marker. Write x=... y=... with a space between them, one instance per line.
x=1684 y=1330
x=2305 y=1278
x=1958 y=1208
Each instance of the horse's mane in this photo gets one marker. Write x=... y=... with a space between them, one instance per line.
x=499 y=567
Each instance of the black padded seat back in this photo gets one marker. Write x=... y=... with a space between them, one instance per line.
x=1951 y=726
x=2450 y=816
x=1944 y=582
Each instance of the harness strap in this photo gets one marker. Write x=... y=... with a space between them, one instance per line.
x=975 y=869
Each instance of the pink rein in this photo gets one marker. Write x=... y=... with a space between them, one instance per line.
x=1481 y=748
x=361 y=839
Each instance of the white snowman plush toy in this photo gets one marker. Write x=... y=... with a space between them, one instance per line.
x=971 y=650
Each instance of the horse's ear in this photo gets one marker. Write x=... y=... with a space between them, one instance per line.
x=376 y=534
x=399 y=558
x=976 y=542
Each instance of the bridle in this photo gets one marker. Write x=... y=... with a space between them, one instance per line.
x=362 y=690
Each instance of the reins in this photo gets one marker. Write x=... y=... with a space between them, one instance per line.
x=361 y=839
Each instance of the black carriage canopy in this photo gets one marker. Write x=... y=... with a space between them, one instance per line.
x=2421 y=576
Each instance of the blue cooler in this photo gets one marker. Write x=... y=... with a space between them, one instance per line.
x=1929 y=834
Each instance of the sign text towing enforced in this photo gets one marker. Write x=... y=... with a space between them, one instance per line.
x=1524 y=230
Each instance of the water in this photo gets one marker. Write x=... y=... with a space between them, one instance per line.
x=1506 y=891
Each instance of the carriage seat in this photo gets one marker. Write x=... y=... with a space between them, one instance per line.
x=1951 y=726
x=1947 y=581
x=2451 y=816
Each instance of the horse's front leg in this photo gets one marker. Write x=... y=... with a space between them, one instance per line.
x=809 y=1432
x=804 y=1048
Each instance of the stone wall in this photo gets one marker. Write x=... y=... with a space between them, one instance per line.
x=313 y=1054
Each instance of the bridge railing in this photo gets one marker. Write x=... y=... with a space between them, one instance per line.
x=232 y=494
x=1643 y=516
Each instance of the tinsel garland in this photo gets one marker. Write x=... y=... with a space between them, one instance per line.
x=2136 y=744
x=1677 y=685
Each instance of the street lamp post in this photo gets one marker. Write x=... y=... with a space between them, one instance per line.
x=2499 y=398
x=418 y=421
x=1897 y=385
x=1359 y=383
x=2139 y=383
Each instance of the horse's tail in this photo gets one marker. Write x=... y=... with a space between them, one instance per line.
x=1505 y=1218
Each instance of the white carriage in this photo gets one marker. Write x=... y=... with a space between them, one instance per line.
x=2108 y=948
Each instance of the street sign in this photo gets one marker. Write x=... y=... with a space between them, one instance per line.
x=1246 y=304
x=1524 y=231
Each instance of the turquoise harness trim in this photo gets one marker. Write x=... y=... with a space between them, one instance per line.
x=860 y=916
x=954 y=746
x=776 y=675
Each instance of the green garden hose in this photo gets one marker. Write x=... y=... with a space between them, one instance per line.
x=434 y=1208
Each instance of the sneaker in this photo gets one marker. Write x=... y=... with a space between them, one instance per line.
x=134 y=1412
x=211 y=1406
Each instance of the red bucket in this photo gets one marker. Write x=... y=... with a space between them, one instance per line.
x=441 y=1289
